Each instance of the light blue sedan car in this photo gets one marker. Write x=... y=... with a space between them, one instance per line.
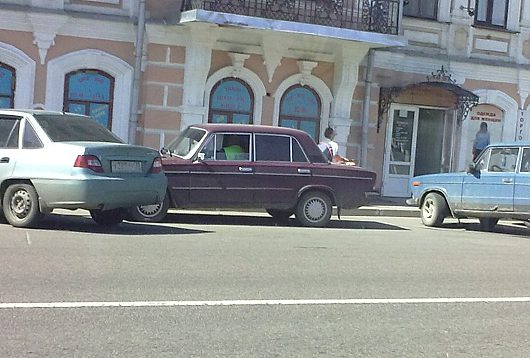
x=495 y=186
x=51 y=160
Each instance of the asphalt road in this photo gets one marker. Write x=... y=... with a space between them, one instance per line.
x=238 y=285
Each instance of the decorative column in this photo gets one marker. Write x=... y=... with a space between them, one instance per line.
x=345 y=80
x=196 y=69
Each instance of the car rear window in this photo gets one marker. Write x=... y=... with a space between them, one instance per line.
x=68 y=128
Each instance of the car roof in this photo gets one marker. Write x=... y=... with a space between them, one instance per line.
x=255 y=128
x=35 y=112
x=511 y=144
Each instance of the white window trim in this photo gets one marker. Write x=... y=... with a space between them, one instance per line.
x=25 y=74
x=316 y=84
x=245 y=75
x=96 y=59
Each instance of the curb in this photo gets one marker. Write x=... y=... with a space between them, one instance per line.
x=399 y=211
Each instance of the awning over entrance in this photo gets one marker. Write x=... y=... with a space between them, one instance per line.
x=465 y=99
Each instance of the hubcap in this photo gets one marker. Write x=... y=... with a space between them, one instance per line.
x=315 y=209
x=149 y=210
x=428 y=209
x=20 y=204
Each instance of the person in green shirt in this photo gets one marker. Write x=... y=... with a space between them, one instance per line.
x=232 y=151
x=232 y=147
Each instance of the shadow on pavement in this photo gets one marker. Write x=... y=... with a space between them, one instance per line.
x=503 y=227
x=79 y=223
x=247 y=220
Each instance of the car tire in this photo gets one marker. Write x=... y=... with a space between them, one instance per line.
x=488 y=224
x=279 y=214
x=433 y=210
x=111 y=217
x=150 y=213
x=21 y=205
x=314 y=209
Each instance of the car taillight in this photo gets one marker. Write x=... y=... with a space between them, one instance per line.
x=156 y=167
x=89 y=162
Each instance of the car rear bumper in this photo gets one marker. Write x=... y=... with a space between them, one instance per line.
x=100 y=193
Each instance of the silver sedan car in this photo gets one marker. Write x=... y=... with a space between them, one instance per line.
x=52 y=160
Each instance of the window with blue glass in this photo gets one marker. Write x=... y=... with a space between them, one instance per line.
x=7 y=86
x=90 y=92
x=231 y=101
x=300 y=108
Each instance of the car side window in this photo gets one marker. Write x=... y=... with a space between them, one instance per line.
x=9 y=128
x=525 y=162
x=209 y=149
x=273 y=148
x=231 y=146
x=30 y=140
x=503 y=160
x=298 y=153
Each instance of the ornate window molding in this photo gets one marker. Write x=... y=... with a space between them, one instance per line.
x=120 y=70
x=25 y=72
x=245 y=75
x=323 y=91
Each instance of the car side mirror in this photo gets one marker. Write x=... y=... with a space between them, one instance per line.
x=472 y=169
x=200 y=157
x=164 y=151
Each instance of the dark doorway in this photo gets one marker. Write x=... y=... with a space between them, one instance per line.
x=429 y=143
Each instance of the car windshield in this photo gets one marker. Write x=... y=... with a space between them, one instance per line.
x=186 y=142
x=72 y=128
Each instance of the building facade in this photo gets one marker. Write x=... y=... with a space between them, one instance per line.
x=405 y=84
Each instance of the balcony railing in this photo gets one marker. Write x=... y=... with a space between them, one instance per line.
x=380 y=16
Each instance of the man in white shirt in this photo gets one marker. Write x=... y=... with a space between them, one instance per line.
x=330 y=148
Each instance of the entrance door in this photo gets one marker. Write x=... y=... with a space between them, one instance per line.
x=430 y=146
x=400 y=150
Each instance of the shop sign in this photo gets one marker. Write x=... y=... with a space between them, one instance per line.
x=522 y=126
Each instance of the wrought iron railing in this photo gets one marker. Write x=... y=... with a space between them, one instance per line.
x=380 y=16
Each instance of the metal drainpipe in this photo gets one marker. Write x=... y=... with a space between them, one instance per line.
x=366 y=109
x=135 y=95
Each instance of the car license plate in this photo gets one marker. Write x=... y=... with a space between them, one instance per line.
x=126 y=166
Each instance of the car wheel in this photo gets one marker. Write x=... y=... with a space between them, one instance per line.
x=314 y=209
x=433 y=210
x=487 y=224
x=281 y=215
x=150 y=213
x=21 y=205
x=108 y=217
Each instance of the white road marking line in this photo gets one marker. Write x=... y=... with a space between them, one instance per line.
x=28 y=241
x=361 y=301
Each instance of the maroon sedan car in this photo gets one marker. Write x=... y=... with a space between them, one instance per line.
x=281 y=170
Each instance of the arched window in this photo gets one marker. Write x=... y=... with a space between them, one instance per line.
x=300 y=108
x=7 y=86
x=90 y=92
x=231 y=101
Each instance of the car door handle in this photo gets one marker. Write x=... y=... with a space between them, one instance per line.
x=304 y=171
x=245 y=170
x=507 y=180
x=4 y=160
